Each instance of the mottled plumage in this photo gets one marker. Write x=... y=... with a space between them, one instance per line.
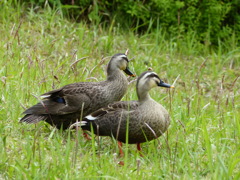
x=145 y=119
x=62 y=107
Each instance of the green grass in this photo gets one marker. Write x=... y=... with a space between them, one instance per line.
x=36 y=53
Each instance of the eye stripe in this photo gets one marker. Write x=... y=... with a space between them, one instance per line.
x=125 y=58
x=153 y=75
x=145 y=75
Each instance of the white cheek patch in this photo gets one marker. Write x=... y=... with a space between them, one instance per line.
x=91 y=118
x=152 y=83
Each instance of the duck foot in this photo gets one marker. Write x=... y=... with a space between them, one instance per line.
x=121 y=163
x=86 y=136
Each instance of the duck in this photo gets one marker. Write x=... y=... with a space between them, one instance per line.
x=132 y=122
x=64 y=106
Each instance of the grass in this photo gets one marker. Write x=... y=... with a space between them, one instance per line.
x=39 y=51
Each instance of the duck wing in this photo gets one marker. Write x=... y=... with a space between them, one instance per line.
x=114 y=107
x=105 y=121
x=68 y=99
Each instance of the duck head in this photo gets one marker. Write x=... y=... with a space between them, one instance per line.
x=147 y=81
x=119 y=61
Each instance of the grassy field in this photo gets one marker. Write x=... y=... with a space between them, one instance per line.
x=39 y=52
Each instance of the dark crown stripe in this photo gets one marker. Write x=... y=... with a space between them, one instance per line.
x=153 y=75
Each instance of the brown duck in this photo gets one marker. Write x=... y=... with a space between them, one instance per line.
x=145 y=119
x=64 y=106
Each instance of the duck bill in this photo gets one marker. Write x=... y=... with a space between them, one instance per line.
x=128 y=72
x=162 y=84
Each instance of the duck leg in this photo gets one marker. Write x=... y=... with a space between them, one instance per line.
x=139 y=149
x=120 y=149
x=121 y=163
x=84 y=133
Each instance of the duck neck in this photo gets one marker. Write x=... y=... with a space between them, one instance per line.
x=117 y=84
x=115 y=74
x=143 y=95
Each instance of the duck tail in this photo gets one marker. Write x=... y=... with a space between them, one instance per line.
x=32 y=119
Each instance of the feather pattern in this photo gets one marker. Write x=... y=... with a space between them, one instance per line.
x=144 y=119
x=62 y=107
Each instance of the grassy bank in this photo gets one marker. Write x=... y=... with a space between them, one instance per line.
x=39 y=52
